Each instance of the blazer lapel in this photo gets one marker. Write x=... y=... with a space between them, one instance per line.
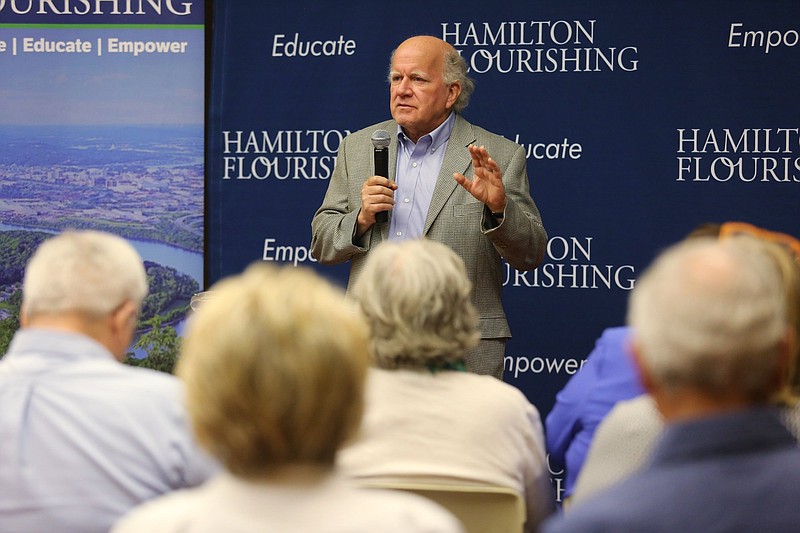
x=456 y=159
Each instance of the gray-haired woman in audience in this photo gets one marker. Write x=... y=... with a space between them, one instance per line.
x=426 y=418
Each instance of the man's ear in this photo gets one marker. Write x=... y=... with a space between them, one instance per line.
x=122 y=324
x=124 y=316
x=454 y=93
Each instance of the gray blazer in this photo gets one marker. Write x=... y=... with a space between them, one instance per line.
x=454 y=218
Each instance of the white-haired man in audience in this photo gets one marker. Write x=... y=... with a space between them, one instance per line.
x=712 y=340
x=84 y=437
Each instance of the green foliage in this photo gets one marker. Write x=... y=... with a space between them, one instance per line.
x=169 y=290
x=16 y=248
x=166 y=303
x=162 y=345
x=8 y=327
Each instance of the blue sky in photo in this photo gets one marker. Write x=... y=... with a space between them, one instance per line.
x=112 y=89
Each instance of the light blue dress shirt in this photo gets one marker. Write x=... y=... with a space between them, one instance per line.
x=84 y=438
x=418 y=167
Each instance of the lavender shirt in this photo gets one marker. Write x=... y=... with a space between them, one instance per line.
x=418 y=167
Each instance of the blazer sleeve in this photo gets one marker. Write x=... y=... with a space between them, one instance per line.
x=520 y=238
x=333 y=228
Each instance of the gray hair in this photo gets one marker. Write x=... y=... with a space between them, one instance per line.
x=711 y=315
x=87 y=271
x=455 y=70
x=416 y=298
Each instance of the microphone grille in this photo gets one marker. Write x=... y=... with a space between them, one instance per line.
x=380 y=139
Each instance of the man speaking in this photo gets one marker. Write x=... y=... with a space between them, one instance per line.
x=442 y=184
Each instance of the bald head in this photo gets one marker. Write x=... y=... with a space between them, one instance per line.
x=711 y=316
x=428 y=81
x=429 y=42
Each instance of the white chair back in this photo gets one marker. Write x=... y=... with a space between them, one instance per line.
x=481 y=509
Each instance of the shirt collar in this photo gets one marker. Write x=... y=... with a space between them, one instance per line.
x=438 y=137
x=737 y=432
x=55 y=344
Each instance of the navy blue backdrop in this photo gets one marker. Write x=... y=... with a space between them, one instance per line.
x=642 y=120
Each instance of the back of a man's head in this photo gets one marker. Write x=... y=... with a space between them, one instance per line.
x=710 y=316
x=90 y=272
x=85 y=439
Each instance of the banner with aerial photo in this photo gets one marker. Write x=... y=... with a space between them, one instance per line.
x=102 y=127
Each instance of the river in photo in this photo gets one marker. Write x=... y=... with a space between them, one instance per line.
x=184 y=261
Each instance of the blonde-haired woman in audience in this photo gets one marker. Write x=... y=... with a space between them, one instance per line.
x=274 y=365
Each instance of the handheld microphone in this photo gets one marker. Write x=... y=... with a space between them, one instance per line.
x=380 y=142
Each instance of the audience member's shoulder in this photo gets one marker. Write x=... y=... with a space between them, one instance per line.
x=149 y=375
x=170 y=513
x=152 y=383
x=491 y=387
x=614 y=510
x=616 y=335
x=612 y=358
x=611 y=344
x=633 y=425
x=389 y=512
x=573 y=523
x=640 y=406
x=405 y=512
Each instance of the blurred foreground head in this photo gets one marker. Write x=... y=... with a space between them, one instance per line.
x=785 y=251
x=710 y=316
x=274 y=365
x=416 y=298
